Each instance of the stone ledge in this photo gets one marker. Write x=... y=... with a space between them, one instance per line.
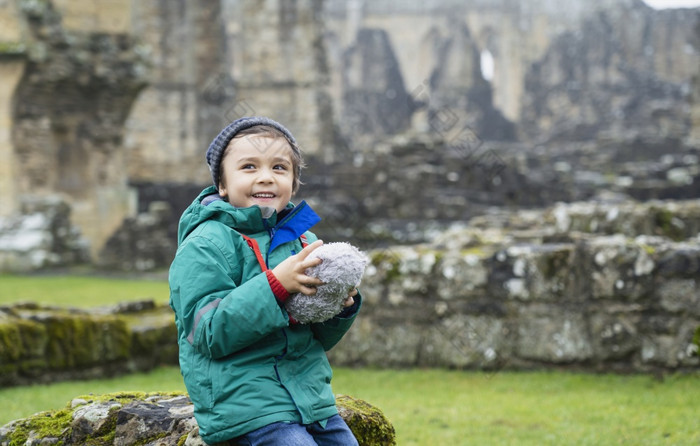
x=157 y=419
x=40 y=343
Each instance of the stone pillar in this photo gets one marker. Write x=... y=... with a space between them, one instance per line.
x=11 y=70
x=68 y=112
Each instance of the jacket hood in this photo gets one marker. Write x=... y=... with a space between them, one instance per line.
x=209 y=206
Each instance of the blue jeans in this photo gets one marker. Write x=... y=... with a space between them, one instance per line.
x=336 y=433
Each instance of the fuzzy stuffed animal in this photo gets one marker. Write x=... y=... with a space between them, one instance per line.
x=341 y=271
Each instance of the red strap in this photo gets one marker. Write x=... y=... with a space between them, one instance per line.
x=256 y=249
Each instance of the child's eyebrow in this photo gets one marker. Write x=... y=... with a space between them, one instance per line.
x=277 y=159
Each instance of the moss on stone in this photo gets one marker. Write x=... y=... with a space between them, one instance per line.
x=368 y=423
x=389 y=262
x=650 y=250
x=42 y=425
x=151 y=332
x=12 y=49
x=696 y=338
x=10 y=343
x=57 y=424
x=554 y=263
x=663 y=219
x=478 y=251
x=83 y=340
x=151 y=439
x=126 y=397
x=183 y=439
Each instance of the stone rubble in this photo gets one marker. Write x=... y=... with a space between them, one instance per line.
x=157 y=419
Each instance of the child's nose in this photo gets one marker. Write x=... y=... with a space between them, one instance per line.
x=265 y=175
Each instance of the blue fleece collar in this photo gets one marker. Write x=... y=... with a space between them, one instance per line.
x=299 y=220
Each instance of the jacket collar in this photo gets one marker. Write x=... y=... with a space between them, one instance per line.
x=209 y=206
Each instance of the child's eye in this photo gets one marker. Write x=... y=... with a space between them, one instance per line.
x=280 y=167
x=248 y=166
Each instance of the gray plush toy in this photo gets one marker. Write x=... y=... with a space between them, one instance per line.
x=341 y=271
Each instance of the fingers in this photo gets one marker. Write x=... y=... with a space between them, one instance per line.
x=304 y=253
x=307 y=290
x=349 y=302
x=310 y=262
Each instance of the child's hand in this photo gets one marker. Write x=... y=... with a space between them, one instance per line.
x=349 y=301
x=290 y=272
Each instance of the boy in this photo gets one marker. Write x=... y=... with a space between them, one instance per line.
x=255 y=376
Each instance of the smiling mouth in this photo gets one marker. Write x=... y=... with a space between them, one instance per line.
x=264 y=195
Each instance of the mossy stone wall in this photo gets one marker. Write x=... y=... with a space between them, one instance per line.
x=42 y=343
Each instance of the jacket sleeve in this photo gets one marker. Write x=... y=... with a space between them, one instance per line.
x=215 y=315
x=330 y=332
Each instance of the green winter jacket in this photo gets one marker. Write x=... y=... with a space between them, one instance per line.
x=244 y=365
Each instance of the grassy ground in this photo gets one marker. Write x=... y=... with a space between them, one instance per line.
x=79 y=291
x=436 y=407
x=427 y=407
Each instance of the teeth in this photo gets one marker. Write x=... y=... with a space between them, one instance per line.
x=264 y=195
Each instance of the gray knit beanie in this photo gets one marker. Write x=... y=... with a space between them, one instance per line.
x=217 y=147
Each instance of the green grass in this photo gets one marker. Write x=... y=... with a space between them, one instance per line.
x=436 y=407
x=79 y=291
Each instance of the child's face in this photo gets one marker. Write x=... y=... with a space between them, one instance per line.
x=257 y=170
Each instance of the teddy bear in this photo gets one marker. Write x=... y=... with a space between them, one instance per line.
x=341 y=271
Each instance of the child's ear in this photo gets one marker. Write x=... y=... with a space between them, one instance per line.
x=222 y=190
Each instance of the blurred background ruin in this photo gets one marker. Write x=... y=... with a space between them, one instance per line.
x=523 y=174
x=526 y=170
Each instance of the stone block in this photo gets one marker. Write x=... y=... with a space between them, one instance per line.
x=166 y=419
x=461 y=274
x=466 y=341
x=554 y=336
x=679 y=296
x=533 y=272
x=615 y=336
x=374 y=343
x=618 y=268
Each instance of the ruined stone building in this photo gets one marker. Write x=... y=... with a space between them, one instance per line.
x=110 y=104
x=540 y=158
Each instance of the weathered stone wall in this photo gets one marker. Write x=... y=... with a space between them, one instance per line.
x=189 y=91
x=503 y=294
x=279 y=67
x=47 y=344
x=622 y=43
x=410 y=186
x=574 y=286
x=142 y=243
x=339 y=74
x=214 y=62
x=163 y=419
x=67 y=112
x=41 y=236
x=626 y=84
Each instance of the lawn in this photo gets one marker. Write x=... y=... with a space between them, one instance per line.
x=79 y=291
x=427 y=407
x=438 y=407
